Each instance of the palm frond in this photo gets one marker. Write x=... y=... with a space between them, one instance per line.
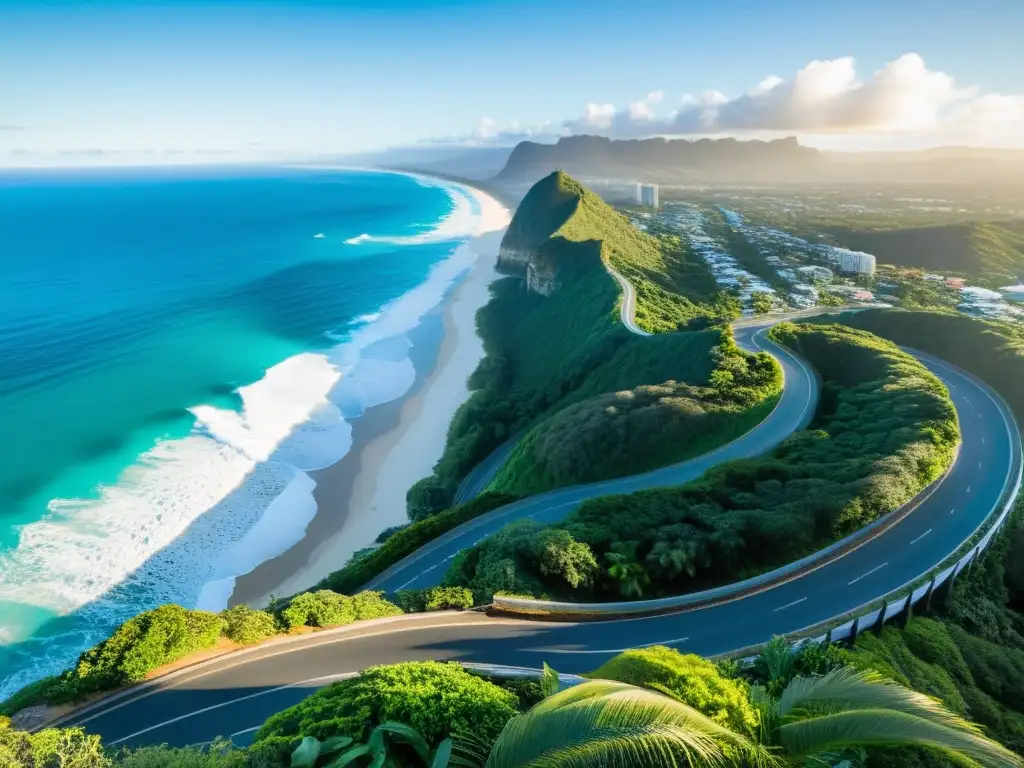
x=848 y=688
x=886 y=727
x=405 y=734
x=469 y=750
x=777 y=660
x=606 y=723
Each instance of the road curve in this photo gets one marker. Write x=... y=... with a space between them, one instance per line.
x=427 y=566
x=627 y=310
x=234 y=695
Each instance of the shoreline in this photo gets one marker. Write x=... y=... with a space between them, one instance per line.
x=396 y=443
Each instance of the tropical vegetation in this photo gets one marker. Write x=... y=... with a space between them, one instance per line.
x=635 y=430
x=570 y=236
x=819 y=706
x=884 y=429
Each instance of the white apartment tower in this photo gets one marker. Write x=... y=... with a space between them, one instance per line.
x=853 y=262
x=647 y=195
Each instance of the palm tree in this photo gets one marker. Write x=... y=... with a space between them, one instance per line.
x=817 y=721
x=608 y=724
x=849 y=708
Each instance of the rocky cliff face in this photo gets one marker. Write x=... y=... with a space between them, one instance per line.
x=514 y=258
x=541 y=279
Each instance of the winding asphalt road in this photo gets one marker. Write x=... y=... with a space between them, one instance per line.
x=233 y=695
x=427 y=566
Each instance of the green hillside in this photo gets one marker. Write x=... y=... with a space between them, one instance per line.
x=986 y=249
x=675 y=289
x=545 y=352
x=991 y=350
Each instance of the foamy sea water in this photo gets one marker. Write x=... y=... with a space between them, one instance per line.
x=196 y=511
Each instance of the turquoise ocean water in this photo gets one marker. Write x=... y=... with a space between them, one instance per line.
x=177 y=348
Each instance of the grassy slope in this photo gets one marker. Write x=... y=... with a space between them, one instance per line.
x=675 y=289
x=993 y=351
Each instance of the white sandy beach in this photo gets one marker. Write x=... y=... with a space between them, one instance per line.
x=391 y=462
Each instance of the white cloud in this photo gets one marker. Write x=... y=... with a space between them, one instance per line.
x=489 y=132
x=655 y=96
x=903 y=97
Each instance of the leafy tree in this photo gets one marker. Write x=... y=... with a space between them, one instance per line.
x=629 y=574
x=519 y=556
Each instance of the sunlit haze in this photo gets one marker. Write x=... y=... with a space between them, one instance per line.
x=115 y=82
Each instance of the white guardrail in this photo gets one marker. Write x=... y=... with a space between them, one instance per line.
x=849 y=628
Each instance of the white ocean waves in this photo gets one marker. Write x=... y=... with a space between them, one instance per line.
x=193 y=514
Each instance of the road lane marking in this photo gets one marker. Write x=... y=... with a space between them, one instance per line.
x=921 y=536
x=338 y=676
x=864 y=575
x=789 y=605
x=297 y=647
x=247 y=730
x=605 y=650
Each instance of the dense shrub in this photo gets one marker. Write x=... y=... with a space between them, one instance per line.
x=137 y=647
x=50 y=748
x=635 y=430
x=324 y=608
x=217 y=755
x=527 y=691
x=691 y=679
x=244 y=625
x=434 y=599
x=407 y=540
x=434 y=698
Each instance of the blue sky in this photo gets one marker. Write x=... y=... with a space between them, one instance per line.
x=313 y=78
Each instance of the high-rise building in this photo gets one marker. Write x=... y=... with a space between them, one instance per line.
x=852 y=262
x=647 y=194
